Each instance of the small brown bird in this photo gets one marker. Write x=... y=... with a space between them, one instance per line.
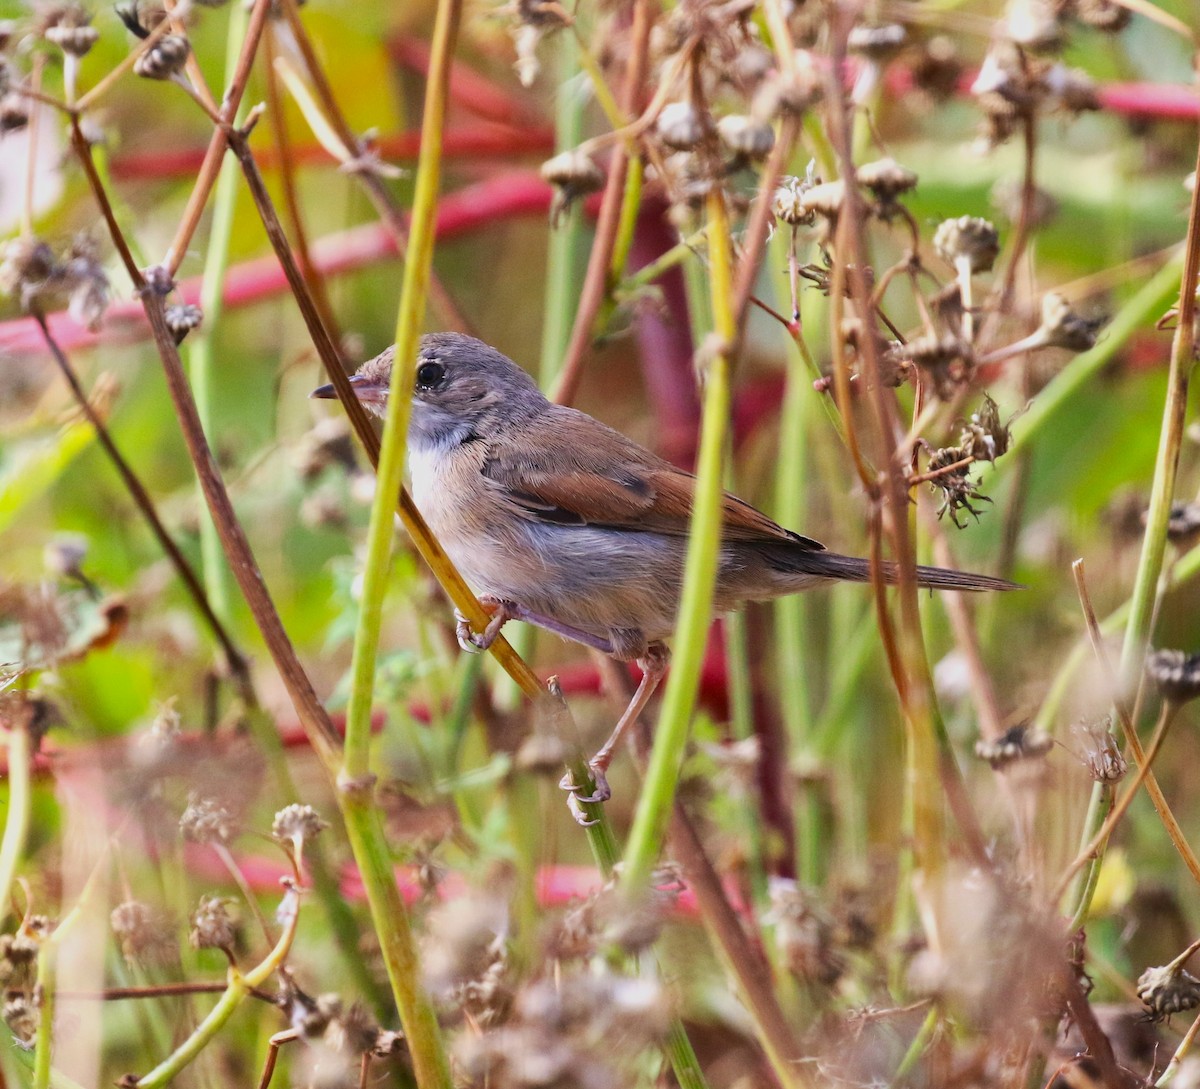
x=555 y=519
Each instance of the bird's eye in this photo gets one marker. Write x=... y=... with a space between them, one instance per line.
x=430 y=375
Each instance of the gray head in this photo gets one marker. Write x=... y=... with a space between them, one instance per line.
x=463 y=387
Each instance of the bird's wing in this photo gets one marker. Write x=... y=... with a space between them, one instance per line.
x=602 y=478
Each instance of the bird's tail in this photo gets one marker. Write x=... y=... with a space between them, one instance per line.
x=831 y=565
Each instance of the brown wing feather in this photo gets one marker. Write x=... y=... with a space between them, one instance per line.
x=601 y=478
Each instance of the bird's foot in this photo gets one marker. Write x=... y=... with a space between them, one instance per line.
x=500 y=613
x=576 y=799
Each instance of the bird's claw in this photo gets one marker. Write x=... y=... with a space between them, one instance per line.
x=601 y=791
x=470 y=641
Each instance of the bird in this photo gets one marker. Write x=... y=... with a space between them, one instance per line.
x=556 y=519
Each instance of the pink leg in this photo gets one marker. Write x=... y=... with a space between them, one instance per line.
x=503 y=611
x=653 y=665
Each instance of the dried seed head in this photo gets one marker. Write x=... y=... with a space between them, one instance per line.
x=969 y=240
x=946 y=361
x=825 y=199
x=788 y=94
x=1175 y=674
x=14 y=113
x=573 y=174
x=297 y=824
x=1034 y=25
x=212 y=925
x=72 y=32
x=21 y=1016
x=804 y=933
x=788 y=202
x=463 y=937
x=164 y=59
x=985 y=437
x=205 y=820
x=1183 y=523
x=1063 y=328
x=752 y=64
x=18 y=954
x=1107 y=16
x=1021 y=742
x=681 y=126
x=746 y=136
x=886 y=179
x=142 y=932
x=326 y=443
x=938 y=67
x=26 y=265
x=954 y=482
x=1072 y=88
x=574 y=170
x=182 y=318
x=83 y=275
x=141 y=16
x=877 y=42
x=309 y=1016
x=1101 y=753
x=1168 y=989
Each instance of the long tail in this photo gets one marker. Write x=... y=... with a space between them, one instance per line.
x=830 y=565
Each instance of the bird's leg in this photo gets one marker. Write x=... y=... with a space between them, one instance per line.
x=653 y=664
x=502 y=611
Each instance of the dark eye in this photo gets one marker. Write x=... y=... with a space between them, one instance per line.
x=430 y=375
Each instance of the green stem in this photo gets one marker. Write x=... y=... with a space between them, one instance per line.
x=390 y=918
x=661 y=265
x=388 y=912
x=200 y=343
x=239 y=986
x=16 y=822
x=919 y=1042
x=414 y=294
x=1146 y=582
x=46 y=961
x=631 y=204
x=700 y=572
x=564 y=267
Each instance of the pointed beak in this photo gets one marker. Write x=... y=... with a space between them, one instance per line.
x=370 y=393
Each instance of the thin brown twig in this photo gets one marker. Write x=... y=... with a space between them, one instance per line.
x=945 y=470
x=321 y=734
x=141 y=498
x=596 y=282
x=1126 y=718
x=211 y=166
x=157 y=990
x=1123 y=803
x=1112 y=1076
x=747 y=963
x=83 y=152
x=273 y=1045
x=929 y=745
x=759 y=224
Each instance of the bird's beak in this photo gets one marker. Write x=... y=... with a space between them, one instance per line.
x=368 y=392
